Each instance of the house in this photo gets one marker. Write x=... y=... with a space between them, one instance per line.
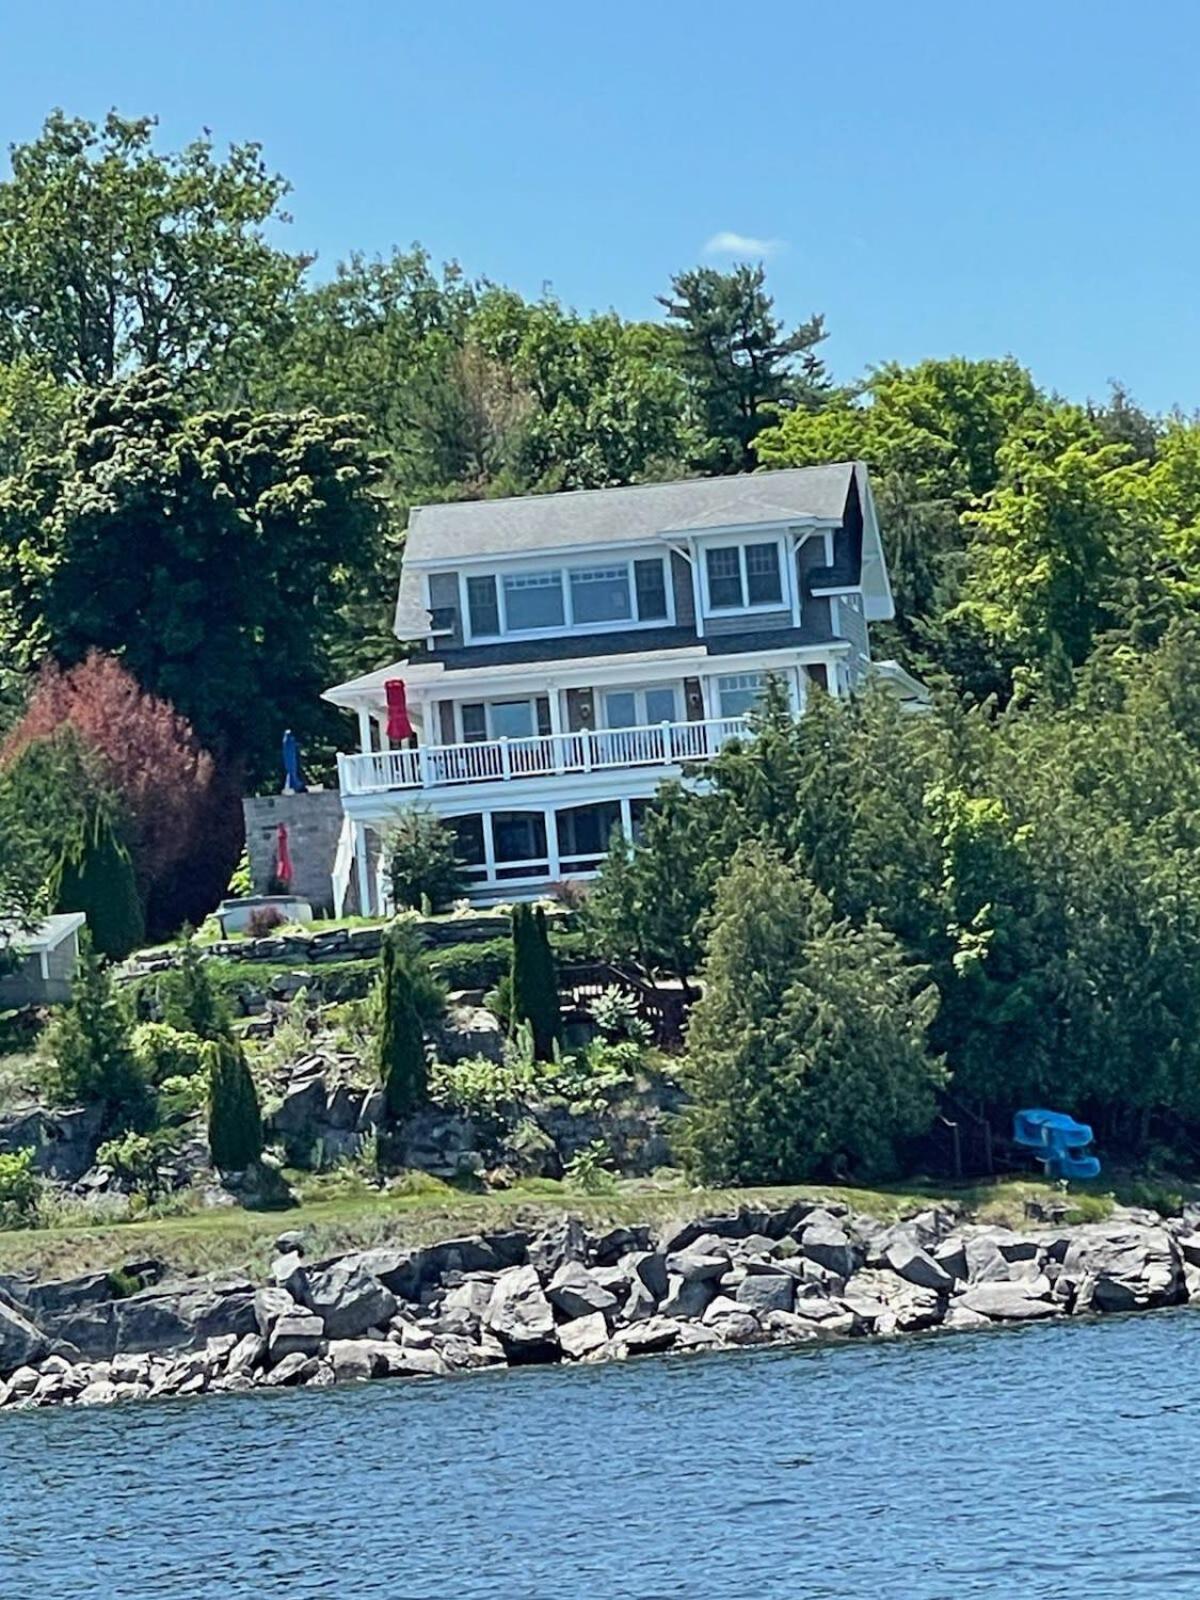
x=571 y=651
x=39 y=965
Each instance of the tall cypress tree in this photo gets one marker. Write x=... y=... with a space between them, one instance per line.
x=403 y=1069
x=235 y=1130
x=534 y=980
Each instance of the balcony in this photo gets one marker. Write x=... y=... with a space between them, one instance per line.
x=442 y=766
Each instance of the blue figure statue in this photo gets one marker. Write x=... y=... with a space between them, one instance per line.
x=293 y=778
x=1057 y=1140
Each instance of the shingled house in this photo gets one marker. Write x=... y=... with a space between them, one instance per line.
x=571 y=651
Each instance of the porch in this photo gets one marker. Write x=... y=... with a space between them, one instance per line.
x=441 y=766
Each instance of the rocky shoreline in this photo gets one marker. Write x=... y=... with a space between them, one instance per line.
x=759 y=1276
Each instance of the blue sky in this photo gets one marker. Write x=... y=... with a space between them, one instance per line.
x=937 y=178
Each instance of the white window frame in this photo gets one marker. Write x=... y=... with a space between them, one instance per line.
x=563 y=569
x=487 y=702
x=739 y=543
x=639 y=692
x=763 y=674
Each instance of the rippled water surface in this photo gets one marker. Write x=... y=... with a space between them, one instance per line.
x=1056 y=1460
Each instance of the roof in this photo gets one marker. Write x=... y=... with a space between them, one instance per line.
x=48 y=935
x=466 y=529
x=448 y=534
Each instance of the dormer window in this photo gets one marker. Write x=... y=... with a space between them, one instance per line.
x=741 y=576
x=591 y=597
x=533 y=600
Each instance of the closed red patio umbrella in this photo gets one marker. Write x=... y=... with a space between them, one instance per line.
x=283 y=857
x=399 y=724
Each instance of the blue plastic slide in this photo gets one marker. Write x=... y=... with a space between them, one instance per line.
x=1057 y=1141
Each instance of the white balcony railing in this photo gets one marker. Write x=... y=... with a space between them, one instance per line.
x=439 y=766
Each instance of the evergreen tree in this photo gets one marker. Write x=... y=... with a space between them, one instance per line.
x=89 y=1049
x=235 y=1130
x=190 y=1003
x=745 y=371
x=96 y=877
x=534 y=981
x=403 y=1068
x=807 y=1053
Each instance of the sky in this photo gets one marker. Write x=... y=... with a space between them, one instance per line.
x=935 y=178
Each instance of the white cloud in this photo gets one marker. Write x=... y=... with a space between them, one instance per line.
x=727 y=243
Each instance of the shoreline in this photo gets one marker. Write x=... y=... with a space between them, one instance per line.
x=761 y=1275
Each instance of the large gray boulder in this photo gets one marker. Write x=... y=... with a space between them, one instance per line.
x=349 y=1299
x=184 y=1316
x=830 y=1246
x=1123 y=1269
x=693 y=1265
x=575 y=1292
x=1009 y=1302
x=519 y=1314
x=270 y=1303
x=647 y=1284
x=583 y=1335
x=761 y=1292
x=908 y=1260
x=687 y=1298
x=21 y=1343
x=296 y=1333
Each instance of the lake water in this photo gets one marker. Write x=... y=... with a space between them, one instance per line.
x=1056 y=1460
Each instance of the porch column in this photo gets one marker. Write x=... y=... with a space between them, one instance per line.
x=489 y=850
x=365 y=904
x=554 y=696
x=364 y=730
x=552 y=857
x=627 y=820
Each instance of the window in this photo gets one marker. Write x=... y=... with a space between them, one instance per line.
x=600 y=594
x=468 y=840
x=740 y=692
x=762 y=574
x=651 y=584
x=512 y=719
x=519 y=835
x=474 y=723
x=640 y=708
x=581 y=597
x=660 y=705
x=724 y=578
x=533 y=600
x=483 y=607
x=620 y=709
x=743 y=575
x=586 y=830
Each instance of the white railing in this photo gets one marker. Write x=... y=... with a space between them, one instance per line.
x=438 y=766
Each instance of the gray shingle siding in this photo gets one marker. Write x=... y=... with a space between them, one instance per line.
x=748 y=622
x=681 y=583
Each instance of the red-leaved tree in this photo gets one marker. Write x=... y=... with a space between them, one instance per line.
x=166 y=779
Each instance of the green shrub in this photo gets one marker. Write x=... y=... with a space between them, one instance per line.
x=190 y=1000
x=134 y=1158
x=20 y=1190
x=235 y=1131
x=89 y=1049
x=164 y=1052
x=423 y=865
x=590 y=1169
x=179 y=1099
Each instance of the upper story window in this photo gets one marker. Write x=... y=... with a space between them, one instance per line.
x=743 y=575
x=567 y=597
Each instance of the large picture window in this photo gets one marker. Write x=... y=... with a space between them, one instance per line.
x=533 y=600
x=743 y=575
x=568 y=597
x=740 y=692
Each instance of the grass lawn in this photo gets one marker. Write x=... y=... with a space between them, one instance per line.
x=338 y=1213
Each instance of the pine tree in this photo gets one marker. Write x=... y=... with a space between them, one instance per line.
x=403 y=1069
x=190 y=1003
x=95 y=876
x=89 y=1049
x=534 y=981
x=235 y=1130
